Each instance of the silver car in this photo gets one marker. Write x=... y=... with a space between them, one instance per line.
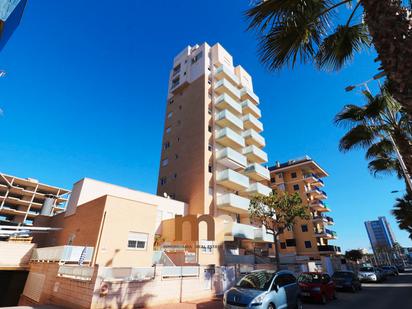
x=264 y=289
x=370 y=274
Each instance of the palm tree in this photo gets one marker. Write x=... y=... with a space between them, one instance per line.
x=403 y=213
x=381 y=127
x=292 y=30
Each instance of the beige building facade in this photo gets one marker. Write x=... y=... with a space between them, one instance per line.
x=212 y=148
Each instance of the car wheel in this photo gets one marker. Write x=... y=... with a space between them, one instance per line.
x=271 y=306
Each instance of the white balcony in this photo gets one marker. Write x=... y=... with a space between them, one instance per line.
x=63 y=254
x=262 y=236
x=225 y=86
x=231 y=158
x=226 y=102
x=227 y=119
x=229 y=138
x=250 y=122
x=227 y=73
x=257 y=172
x=233 y=203
x=248 y=94
x=253 y=138
x=255 y=154
x=232 y=180
x=258 y=188
x=249 y=108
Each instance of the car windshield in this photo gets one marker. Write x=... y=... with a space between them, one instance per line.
x=257 y=281
x=342 y=275
x=366 y=269
x=309 y=278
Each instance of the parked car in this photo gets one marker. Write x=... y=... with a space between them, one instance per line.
x=384 y=273
x=400 y=268
x=390 y=270
x=347 y=280
x=370 y=274
x=317 y=287
x=264 y=289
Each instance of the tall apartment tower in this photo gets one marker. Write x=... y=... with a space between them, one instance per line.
x=11 y=12
x=212 y=144
x=308 y=238
x=380 y=234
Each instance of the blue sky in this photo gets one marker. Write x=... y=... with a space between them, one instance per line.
x=86 y=88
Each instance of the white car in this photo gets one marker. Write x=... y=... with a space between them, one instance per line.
x=369 y=274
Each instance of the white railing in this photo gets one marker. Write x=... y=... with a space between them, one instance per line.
x=63 y=254
x=76 y=272
x=127 y=273
x=180 y=271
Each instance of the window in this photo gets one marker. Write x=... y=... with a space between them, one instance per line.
x=176 y=69
x=304 y=228
x=272 y=180
x=137 y=240
x=281 y=187
x=284 y=279
x=283 y=245
x=176 y=156
x=175 y=175
x=296 y=187
x=210 y=168
x=293 y=175
x=197 y=57
x=210 y=147
x=171 y=101
x=308 y=244
x=291 y=242
x=166 y=145
x=209 y=111
x=170 y=115
x=209 y=128
x=163 y=181
x=280 y=175
x=165 y=162
x=168 y=129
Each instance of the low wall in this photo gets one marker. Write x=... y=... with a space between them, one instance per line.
x=15 y=254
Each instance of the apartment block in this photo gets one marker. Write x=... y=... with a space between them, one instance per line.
x=23 y=199
x=212 y=148
x=308 y=238
x=11 y=12
x=380 y=234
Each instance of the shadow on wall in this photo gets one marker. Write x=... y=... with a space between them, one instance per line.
x=109 y=263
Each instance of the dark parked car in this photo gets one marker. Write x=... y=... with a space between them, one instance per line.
x=347 y=280
x=317 y=287
x=264 y=289
x=400 y=268
x=390 y=270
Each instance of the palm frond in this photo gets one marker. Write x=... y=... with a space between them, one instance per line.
x=350 y=115
x=339 y=47
x=360 y=136
x=386 y=166
x=382 y=148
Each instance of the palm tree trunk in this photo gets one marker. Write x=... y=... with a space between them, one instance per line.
x=276 y=243
x=404 y=146
x=389 y=26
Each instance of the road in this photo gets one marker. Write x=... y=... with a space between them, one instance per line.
x=394 y=293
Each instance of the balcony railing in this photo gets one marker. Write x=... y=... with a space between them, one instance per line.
x=248 y=94
x=255 y=154
x=257 y=172
x=258 y=188
x=332 y=233
x=250 y=108
x=224 y=101
x=329 y=248
x=250 y=122
x=253 y=138
x=234 y=203
x=231 y=158
x=226 y=72
x=226 y=119
x=315 y=178
x=232 y=180
x=225 y=86
x=63 y=254
x=228 y=137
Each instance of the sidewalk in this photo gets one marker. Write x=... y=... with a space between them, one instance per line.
x=199 y=304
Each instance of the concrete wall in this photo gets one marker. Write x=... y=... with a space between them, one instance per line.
x=13 y=254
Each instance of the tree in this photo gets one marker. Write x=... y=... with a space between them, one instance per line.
x=378 y=126
x=312 y=31
x=403 y=213
x=354 y=255
x=277 y=212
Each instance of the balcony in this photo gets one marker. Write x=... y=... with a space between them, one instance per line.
x=323 y=219
x=331 y=234
x=257 y=172
x=255 y=154
x=244 y=231
x=231 y=158
x=226 y=102
x=232 y=180
x=258 y=188
x=319 y=206
x=229 y=138
x=249 y=108
x=253 y=138
x=262 y=236
x=227 y=73
x=224 y=86
x=227 y=119
x=328 y=249
x=250 y=122
x=313 y=179
x=247 y=94
x=233 y=203
x=65 y=254
x=316 y=192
